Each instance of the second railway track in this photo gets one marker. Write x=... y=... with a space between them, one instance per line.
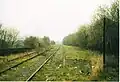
x=12 y=66
x=5 y=72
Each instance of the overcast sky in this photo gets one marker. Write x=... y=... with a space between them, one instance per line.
x=53 y=18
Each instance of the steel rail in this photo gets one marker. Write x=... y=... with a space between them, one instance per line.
x=22 y=62
x=21 y=56
x=33 y=74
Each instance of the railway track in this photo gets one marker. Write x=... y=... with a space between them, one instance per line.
x=21 y=56
x=33 y=74
x=6 y=69
x=36 y=66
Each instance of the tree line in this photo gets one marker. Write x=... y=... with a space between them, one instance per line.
x=91 y=36
x=9 y=38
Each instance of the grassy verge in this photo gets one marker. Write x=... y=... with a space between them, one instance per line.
x=5 y=65
x=12 y=56
x=111 y=70
x=71 y=63
x=23 y=71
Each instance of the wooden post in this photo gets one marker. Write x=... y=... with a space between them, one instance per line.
x=64 y=60
x=64 y=56
x=104 y=48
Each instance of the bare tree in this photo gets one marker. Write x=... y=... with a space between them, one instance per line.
x=12 y=36
x=8 y=37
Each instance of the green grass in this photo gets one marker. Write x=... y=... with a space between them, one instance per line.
x=111 y=70
x=109 y=73
x=68 y=64
x=71 y=63
x=12 y=56
x=23 y=71
x=5 y=65
x=95 y=59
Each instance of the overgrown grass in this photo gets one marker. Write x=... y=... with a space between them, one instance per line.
x=23 y=71
x=71 y=63
x=68 y=64
x=109 y=73
x=95 y=58
x=12 y=56
x=111 y=70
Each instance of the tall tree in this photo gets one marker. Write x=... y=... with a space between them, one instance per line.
x=52 y=42
x=91 y=36
x=8 y=37
x=46 y=40
x=31 y=42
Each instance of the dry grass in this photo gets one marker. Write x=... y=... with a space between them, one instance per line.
x=95 y=58
x=97 y=66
